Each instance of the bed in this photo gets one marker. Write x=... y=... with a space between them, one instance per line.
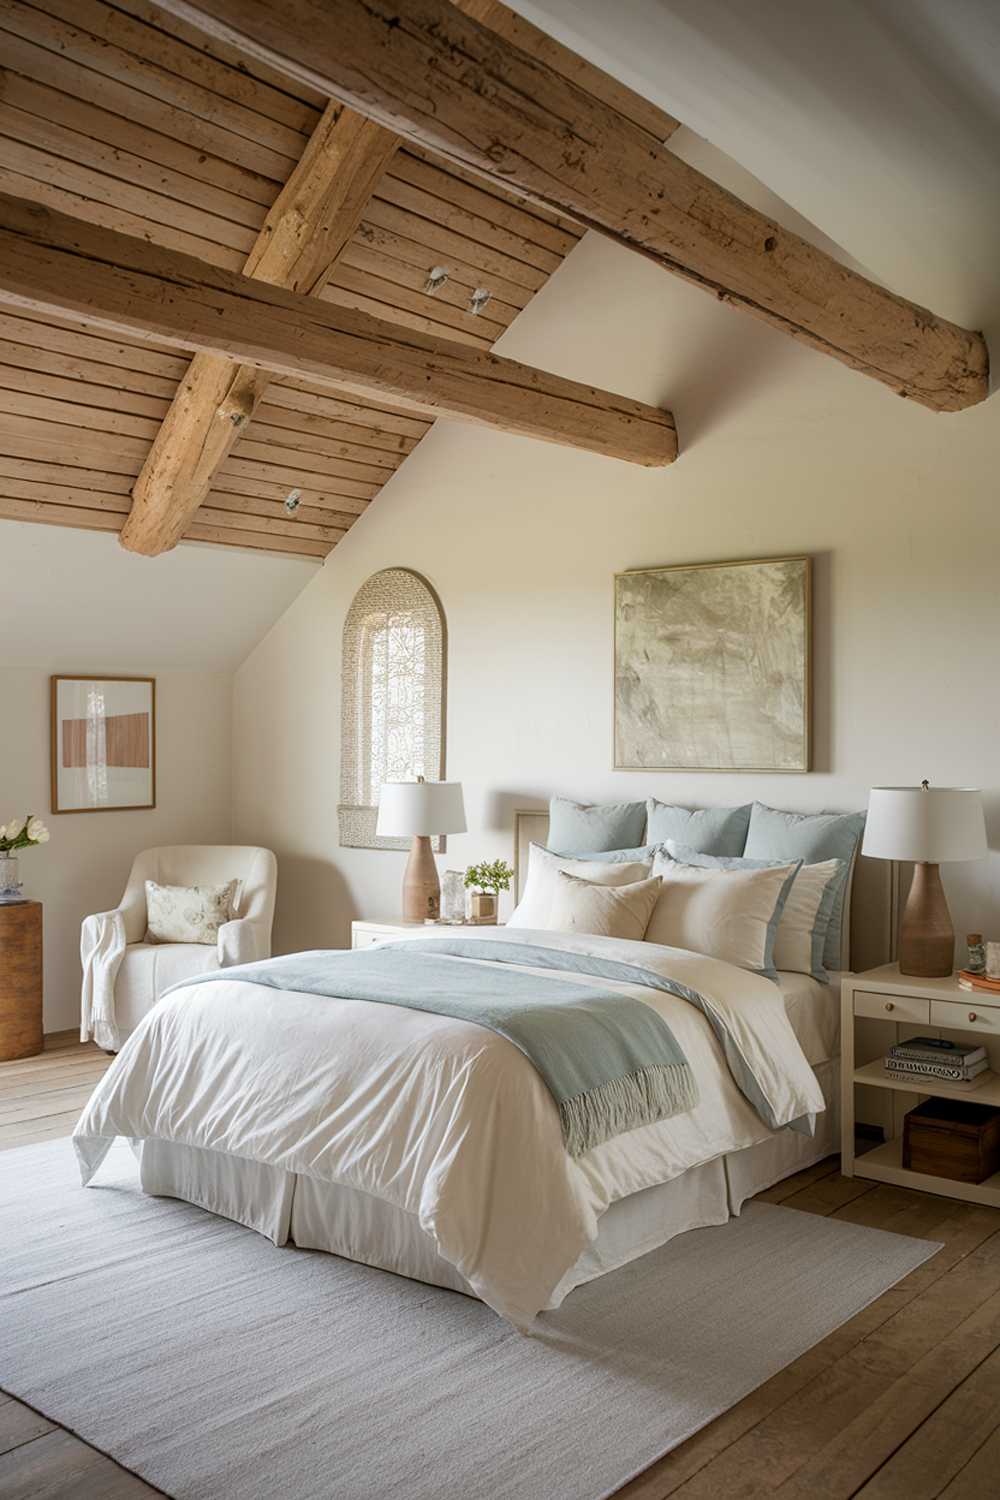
x=225 y=1092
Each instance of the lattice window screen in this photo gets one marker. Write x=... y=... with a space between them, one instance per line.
x=392 y=714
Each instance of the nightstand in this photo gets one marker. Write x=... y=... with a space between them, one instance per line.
x=364 y=934
x=908 y=1007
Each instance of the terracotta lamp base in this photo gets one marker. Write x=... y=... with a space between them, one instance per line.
x=926 y=936
x=421 y=886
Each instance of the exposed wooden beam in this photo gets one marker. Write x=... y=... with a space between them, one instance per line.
x=445 y=81
x=57 y=265
x=312 y=219
x=570 y=65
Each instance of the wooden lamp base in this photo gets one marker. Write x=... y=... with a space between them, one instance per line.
x=926 y=936
x=421 y=886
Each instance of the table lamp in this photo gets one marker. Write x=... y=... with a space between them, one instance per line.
x=928 y=825
x=420 y=809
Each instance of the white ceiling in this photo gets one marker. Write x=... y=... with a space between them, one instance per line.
x=878 y=120
x=76 y=601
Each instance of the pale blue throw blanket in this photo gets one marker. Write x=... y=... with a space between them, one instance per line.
x=610 y=1062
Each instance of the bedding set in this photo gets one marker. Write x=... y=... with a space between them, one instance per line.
x=520 y=1104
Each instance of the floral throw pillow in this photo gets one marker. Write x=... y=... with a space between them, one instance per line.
x=187 y=913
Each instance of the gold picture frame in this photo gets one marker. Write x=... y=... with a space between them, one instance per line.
x=689 y=694
x=102 y=743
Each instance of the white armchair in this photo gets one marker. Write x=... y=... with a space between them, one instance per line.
x=124 y=976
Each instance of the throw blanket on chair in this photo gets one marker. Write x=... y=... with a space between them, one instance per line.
x=610 y=1062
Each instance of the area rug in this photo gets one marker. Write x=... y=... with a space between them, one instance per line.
x=216 y=1366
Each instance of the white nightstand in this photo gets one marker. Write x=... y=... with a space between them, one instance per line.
x=909 y=1007
x=364 y=934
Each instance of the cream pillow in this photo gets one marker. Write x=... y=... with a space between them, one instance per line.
x=801 y=935
x=618 y=911
x=187 y=914
x=728 y=914
x=535 y=906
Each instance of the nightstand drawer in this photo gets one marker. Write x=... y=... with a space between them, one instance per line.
x=891 y=1007
x=972 y=1017
x=366 y=939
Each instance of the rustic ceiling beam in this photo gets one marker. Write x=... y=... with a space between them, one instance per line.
x=313 y=218
x=62 y=266
x=445 y=81
x=570 y=65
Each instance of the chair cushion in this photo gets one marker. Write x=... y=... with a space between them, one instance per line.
x=187 y=913
x=148 y=969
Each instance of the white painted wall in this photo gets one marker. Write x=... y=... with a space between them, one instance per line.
x=86 y=863
x=782 y=451
x=73 y=601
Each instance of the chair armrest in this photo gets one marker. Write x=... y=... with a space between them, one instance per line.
x=242 y=941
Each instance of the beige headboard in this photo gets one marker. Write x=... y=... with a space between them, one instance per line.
x=873 y=895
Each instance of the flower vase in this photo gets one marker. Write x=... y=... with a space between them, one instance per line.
x=10 y=887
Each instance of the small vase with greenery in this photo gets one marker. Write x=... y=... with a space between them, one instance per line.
x=486 y=881
x=19 y=833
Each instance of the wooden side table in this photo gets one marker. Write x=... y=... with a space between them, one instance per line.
x=20 y=980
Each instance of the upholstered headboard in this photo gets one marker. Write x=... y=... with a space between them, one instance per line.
x=872 y=897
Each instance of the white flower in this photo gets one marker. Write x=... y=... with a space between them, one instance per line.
x=12 y=829
x=37 y=831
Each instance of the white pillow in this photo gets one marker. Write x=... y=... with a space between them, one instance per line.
x=535 y=906
x=798 y=946
x=728 y=914
x=187 y=914
x=619 y=911
x=801 y=935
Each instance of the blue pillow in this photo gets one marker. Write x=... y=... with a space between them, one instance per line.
x=582 y=825
x=710 y=830
x=646 y=854
x=686 y=856
x=811 y=837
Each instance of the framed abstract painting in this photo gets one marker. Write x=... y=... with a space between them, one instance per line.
x=712 y=667
x=103 y=743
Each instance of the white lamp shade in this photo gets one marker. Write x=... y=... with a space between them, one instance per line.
x=930 y=825
x=420 y=807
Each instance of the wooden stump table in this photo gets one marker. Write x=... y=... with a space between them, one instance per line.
x=20 y=980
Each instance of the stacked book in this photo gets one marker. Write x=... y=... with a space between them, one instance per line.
x=933 y=1058
x=969 y=980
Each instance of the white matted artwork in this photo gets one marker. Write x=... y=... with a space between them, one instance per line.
x=712 y=667
x=103 y=743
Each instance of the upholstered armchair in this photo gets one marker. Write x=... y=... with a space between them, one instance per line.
x=124 y=975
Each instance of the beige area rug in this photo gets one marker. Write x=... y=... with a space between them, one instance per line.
x=218 y=1367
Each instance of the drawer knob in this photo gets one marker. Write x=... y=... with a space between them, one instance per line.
x=889 y=1005
x=973 y=1016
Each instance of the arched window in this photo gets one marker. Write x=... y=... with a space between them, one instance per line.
x=392 y=712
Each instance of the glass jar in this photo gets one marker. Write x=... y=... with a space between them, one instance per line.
x=9 y=885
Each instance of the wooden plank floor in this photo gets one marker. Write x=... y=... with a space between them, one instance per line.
x=899 y=1404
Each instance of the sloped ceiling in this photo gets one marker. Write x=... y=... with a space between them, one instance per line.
x=876 y=119
x=75 y=601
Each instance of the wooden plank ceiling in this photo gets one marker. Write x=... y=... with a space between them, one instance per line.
x=124 y=116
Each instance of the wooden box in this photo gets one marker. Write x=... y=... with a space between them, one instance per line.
x=952 y=1138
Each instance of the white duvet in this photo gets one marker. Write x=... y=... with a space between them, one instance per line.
x=443 y=1118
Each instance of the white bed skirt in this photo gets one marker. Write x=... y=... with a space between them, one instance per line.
x=344 y=1221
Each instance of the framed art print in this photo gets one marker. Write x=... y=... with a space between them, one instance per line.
x=103 y=743
x=712 y=667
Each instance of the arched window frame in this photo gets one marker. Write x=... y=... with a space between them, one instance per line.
x=369 y=692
